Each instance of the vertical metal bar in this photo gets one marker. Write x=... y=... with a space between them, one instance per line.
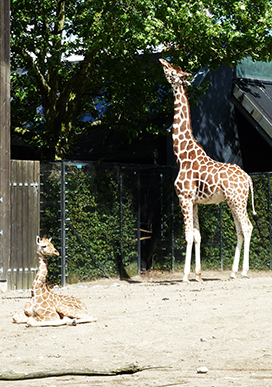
x=221 y=236
x=269 y=218
x=172 y=226
x=139 y=220
x=121 y=220
x=63 y=225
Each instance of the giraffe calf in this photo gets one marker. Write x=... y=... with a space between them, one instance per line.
x=46 y=308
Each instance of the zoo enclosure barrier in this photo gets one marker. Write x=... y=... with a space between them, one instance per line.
x=123 y=219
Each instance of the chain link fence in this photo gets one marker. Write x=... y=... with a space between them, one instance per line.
x=113 y=219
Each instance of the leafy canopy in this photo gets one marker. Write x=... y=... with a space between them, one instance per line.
x=117 y=82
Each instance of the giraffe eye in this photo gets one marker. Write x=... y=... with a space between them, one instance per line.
x=43 y=247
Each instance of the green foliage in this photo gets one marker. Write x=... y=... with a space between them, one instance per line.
x=93 y=210
x=109 y=36
x=50 y=214
x=93 y=206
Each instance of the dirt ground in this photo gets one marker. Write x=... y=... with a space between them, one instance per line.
x=156 y=322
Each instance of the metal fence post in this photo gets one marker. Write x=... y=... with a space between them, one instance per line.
x=172 y=225
x=121 y=219
x=139 y=220
x=269 y=217
x=221 y=236
x=63 y=226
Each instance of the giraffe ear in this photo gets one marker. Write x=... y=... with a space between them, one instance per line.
x=38 y=239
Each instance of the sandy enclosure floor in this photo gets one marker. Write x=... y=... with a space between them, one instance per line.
x=155 y=321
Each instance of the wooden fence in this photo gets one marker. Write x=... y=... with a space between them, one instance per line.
x=24 y=218
x=4 y=140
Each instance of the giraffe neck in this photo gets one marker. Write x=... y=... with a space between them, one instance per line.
x=40 y=278
x=182 y=134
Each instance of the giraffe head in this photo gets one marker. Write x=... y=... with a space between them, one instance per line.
x=45 y=247
x=174 y=75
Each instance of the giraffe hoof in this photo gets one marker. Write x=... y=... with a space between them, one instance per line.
x=232 y=276
x=244 y=275
x=198 y=278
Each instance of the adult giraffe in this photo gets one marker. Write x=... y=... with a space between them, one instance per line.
x=203 y=180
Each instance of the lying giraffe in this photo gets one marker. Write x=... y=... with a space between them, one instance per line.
x=46 y=308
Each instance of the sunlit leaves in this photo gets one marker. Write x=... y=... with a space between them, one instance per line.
x=109 y=36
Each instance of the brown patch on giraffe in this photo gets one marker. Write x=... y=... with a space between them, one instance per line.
x=177 y=121
x=175 y=130
x=187 y=184
x=177 y=105
x=183 y=99
x=190 y=146
x=192 y=155
x=175 y=142
x=185 y=111
x=183 y=127
x=216 y=178
x=202 y=170
x=181 y=136
x=195 y=175
x=225 y=184
x=187 y=134
x=182 y=146
x=189 y=174
x=195 y=165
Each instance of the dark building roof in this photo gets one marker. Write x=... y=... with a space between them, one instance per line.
x=254 y=99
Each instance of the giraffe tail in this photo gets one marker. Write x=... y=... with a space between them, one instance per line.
x=254 y=213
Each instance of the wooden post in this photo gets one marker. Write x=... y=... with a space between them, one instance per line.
x=4 y=141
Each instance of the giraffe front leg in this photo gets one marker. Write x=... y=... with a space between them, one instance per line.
x=187 y=210
x=197 y=241
x=20 y=318
x=36 y=322
x=187 y=267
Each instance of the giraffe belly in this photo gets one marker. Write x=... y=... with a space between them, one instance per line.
x=215 y=198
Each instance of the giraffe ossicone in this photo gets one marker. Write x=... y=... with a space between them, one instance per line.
x=203 y=180
x=46 y=308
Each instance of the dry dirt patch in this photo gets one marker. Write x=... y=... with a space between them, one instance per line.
x=155 y=321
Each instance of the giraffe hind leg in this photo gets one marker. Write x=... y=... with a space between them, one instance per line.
x=247 y=236
x=75 y=309
x=243 y=230
x=240 y=239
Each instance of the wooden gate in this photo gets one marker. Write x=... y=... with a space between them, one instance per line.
x=25 y=221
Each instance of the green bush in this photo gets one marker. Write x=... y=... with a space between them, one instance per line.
x=93 y=211
x=93 y=206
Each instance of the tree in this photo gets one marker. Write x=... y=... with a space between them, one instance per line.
x=117 y=81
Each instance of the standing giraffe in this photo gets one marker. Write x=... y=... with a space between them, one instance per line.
x=203 y=180
x=46 y=308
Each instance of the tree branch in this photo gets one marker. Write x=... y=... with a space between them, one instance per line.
x=44 y=87
x=131 y=369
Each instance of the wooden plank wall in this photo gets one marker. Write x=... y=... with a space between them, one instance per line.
x=4 y=141
x=25 y=221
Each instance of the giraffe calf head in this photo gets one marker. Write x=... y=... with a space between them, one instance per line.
x=45 y=247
